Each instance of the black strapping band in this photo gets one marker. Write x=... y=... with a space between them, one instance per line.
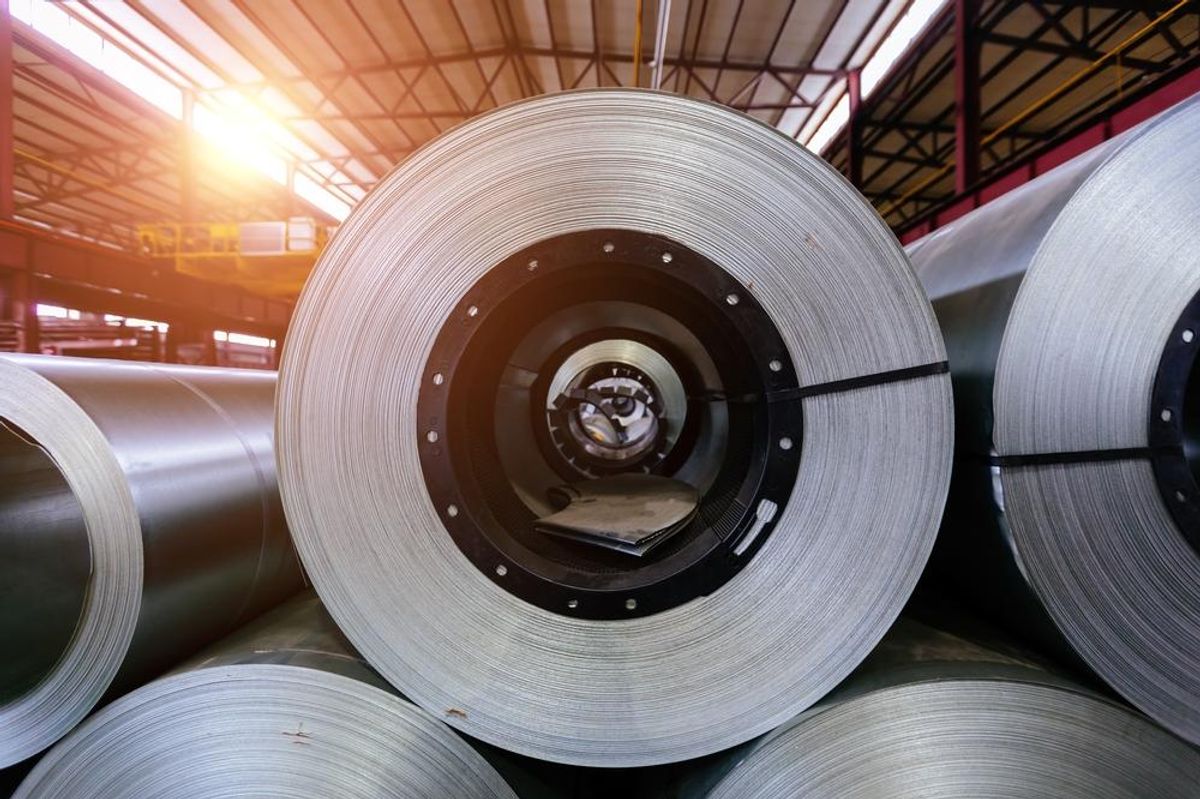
x=1082 y=456
x=862 y=381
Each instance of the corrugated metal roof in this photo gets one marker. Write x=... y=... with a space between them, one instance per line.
x=346 y=88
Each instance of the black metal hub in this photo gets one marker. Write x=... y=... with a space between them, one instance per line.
x=1175 y=423
x=738 y=449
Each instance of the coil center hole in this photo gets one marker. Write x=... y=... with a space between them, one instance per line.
x=44 y=555
x=613 y=417
x=606 y=425
x=1190 y=419
x=614 y=405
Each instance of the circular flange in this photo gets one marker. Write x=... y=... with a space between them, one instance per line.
x=1174 y=424
x=463 y=472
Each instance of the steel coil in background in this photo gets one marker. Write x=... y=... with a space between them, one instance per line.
x=281 y=708
x=1069 y=309
x=932 y=715
x=846 y=548
x=139 y=520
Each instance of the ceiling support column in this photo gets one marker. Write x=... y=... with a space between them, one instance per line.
x=966 y=94
x=854 y=130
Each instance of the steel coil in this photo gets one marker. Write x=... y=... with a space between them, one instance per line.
x=1071 y=317
x=139 y=520
x=282 y=708
x=932 y=715
x=816 y=391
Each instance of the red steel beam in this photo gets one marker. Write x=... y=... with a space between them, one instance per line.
x=1135 y=110
x=101 y=280
x=7 y=195
x=854 y=130
x=967 y=93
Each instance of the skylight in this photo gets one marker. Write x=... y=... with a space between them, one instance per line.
x=896 y=44
x=239 y=130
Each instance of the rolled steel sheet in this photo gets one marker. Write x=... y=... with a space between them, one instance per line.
x=284 y=707
x=932 y=715
x=794 y=241
x=1069 y=310
x=139 y=520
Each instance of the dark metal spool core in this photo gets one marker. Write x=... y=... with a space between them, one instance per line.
x=567 y=425
x=1174 y=425
x=463 y=471
x=551 y=427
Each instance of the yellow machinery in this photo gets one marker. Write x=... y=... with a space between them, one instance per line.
x=271 y=258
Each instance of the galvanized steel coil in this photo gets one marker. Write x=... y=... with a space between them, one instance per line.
x=139 y=521
x=706 y=209
x=931 y=715
x=283 y=708
x=1071 y=317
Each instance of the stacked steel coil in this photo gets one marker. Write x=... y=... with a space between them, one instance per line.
x=640 y=448
x=282 y=708
x=139 y=521
x=1072 y=318
x=933 y=715
x=814 y=425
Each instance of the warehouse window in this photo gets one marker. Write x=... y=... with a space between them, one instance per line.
x=56 y=312
x=130 y=321
x=243 y=338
